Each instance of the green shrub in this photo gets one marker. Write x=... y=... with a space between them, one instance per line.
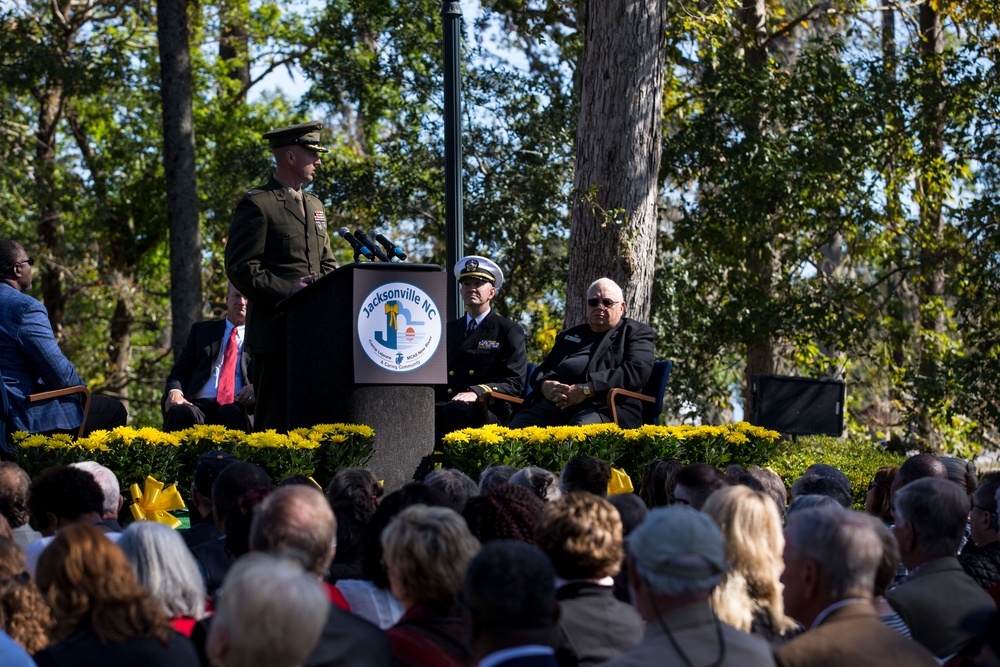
x=858 y=459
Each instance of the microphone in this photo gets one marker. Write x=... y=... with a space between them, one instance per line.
x=359 y=249
x=389 y=246
x=360 y=235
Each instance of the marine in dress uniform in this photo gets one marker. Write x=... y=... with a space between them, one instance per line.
x=278 y=243
x=485 y=351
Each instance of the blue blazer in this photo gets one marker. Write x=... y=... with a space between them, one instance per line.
x=31 y=361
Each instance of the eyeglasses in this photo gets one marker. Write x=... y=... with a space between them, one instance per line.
x=30 y=262
x=594 y=302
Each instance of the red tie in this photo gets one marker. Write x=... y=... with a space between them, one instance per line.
x=227 y=378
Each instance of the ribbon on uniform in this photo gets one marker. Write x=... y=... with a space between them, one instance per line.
x=154 y=503
x=392 y=309
x=620 y=482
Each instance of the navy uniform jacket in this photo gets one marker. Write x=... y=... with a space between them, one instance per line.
x=270 y=247
x=194 y=367
x=31 y=361
x=623 y=359
x=492 y=356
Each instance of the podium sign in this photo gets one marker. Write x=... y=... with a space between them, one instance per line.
x=400 y=327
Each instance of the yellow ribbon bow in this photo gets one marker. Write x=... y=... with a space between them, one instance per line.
x=392 y=310
x=154 y=503
x=620 y=482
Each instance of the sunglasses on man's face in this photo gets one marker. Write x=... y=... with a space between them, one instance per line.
x=594 y=302
x=29 y=261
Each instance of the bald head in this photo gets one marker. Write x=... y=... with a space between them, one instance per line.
x=918 y=467
x=299 y=518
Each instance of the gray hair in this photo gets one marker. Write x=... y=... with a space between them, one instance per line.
x=455 y=484
x=106 y=480
x=610 y=284
x=543 y=483
x=938 y=510
x=809 y=501
x=165 y=567
x=843 y=543
x=773 y=486
x=493 y=475
x=818 y=484
x=273 y=611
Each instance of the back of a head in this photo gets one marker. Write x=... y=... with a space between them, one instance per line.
x=14 y=485
x=582 y=535
x=540 y=481
x=739 y=475
x=506 y=511
x=414 y=493
x=920 y=466
x=165 y=567
x=585 y=473
x=356 y=489
x=455 y=484
x=816 y=484
x=938 y=510
x=827 y=470
x=773 y=486
x=751 y=529
x=658 y=481
x=985 y=496
x=23 y=613
x=510 y=586
x=493 y=475
x=630 y=508
x=231 y=483
x=296 y=517
x=270 y=614
x=108 y=482
x=427 y=550
x=809 y=501
x=878 y=498
x=843 y=543
x=699 y=481
x=692 y=561
x=962 y=472
x=66 y=493
x=885 y=576
x=87 y=580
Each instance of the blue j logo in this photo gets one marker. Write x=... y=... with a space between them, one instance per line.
x=391 y=326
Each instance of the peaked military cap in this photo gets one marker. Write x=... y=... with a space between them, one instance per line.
x=303 y=134
x=475 y=266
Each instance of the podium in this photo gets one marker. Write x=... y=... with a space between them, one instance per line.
x=366 y=345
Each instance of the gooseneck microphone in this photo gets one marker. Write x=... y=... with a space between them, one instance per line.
x=359 y=248
x=391 y=249
x=360 y=235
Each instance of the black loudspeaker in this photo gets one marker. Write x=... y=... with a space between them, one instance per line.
x=799 y=406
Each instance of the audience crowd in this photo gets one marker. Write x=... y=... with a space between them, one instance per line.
x=520 y=568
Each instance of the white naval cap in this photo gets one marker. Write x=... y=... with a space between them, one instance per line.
x=475 y=266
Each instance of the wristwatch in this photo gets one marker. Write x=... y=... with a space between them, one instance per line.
x=586 y=390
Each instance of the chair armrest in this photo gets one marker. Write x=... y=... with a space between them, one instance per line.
x=66 y=391
x=497 y=396
x=617 y=393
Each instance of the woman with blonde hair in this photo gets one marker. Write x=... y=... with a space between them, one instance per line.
x=749 y=596
x=23 y=614
x=103 y=616
x=426 y=550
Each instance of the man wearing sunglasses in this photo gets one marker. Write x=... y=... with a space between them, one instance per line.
x=610 y=350
x=32 y=362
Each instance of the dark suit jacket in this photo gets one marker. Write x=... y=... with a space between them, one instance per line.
x=853 y=635
x=350 y=641
x=623 y=359
x=31 y=361
x=270 y=247
x=194 y=367
x=934 y=600
x=492 y=356
x=594 y=627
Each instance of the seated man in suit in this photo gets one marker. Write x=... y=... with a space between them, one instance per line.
x=937 y=594
x=589 y=360
x=31 y=361
x=485 y=351
x=209 y=383
x=831 y=558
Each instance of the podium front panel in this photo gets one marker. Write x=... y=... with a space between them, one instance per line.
x=399 y=327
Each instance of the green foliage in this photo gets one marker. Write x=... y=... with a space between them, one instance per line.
x=856 y=458
x=133 y=454
x=472 y=450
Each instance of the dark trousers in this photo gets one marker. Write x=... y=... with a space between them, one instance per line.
x=547 y=413
x=104 y=414
x=270 y=385
x=206 y=411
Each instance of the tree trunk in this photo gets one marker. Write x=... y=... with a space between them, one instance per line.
x=179 y=167
x=618 y=149
x=120 y=335
x=234 y=45
x=50 y=223
x=931 y=199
